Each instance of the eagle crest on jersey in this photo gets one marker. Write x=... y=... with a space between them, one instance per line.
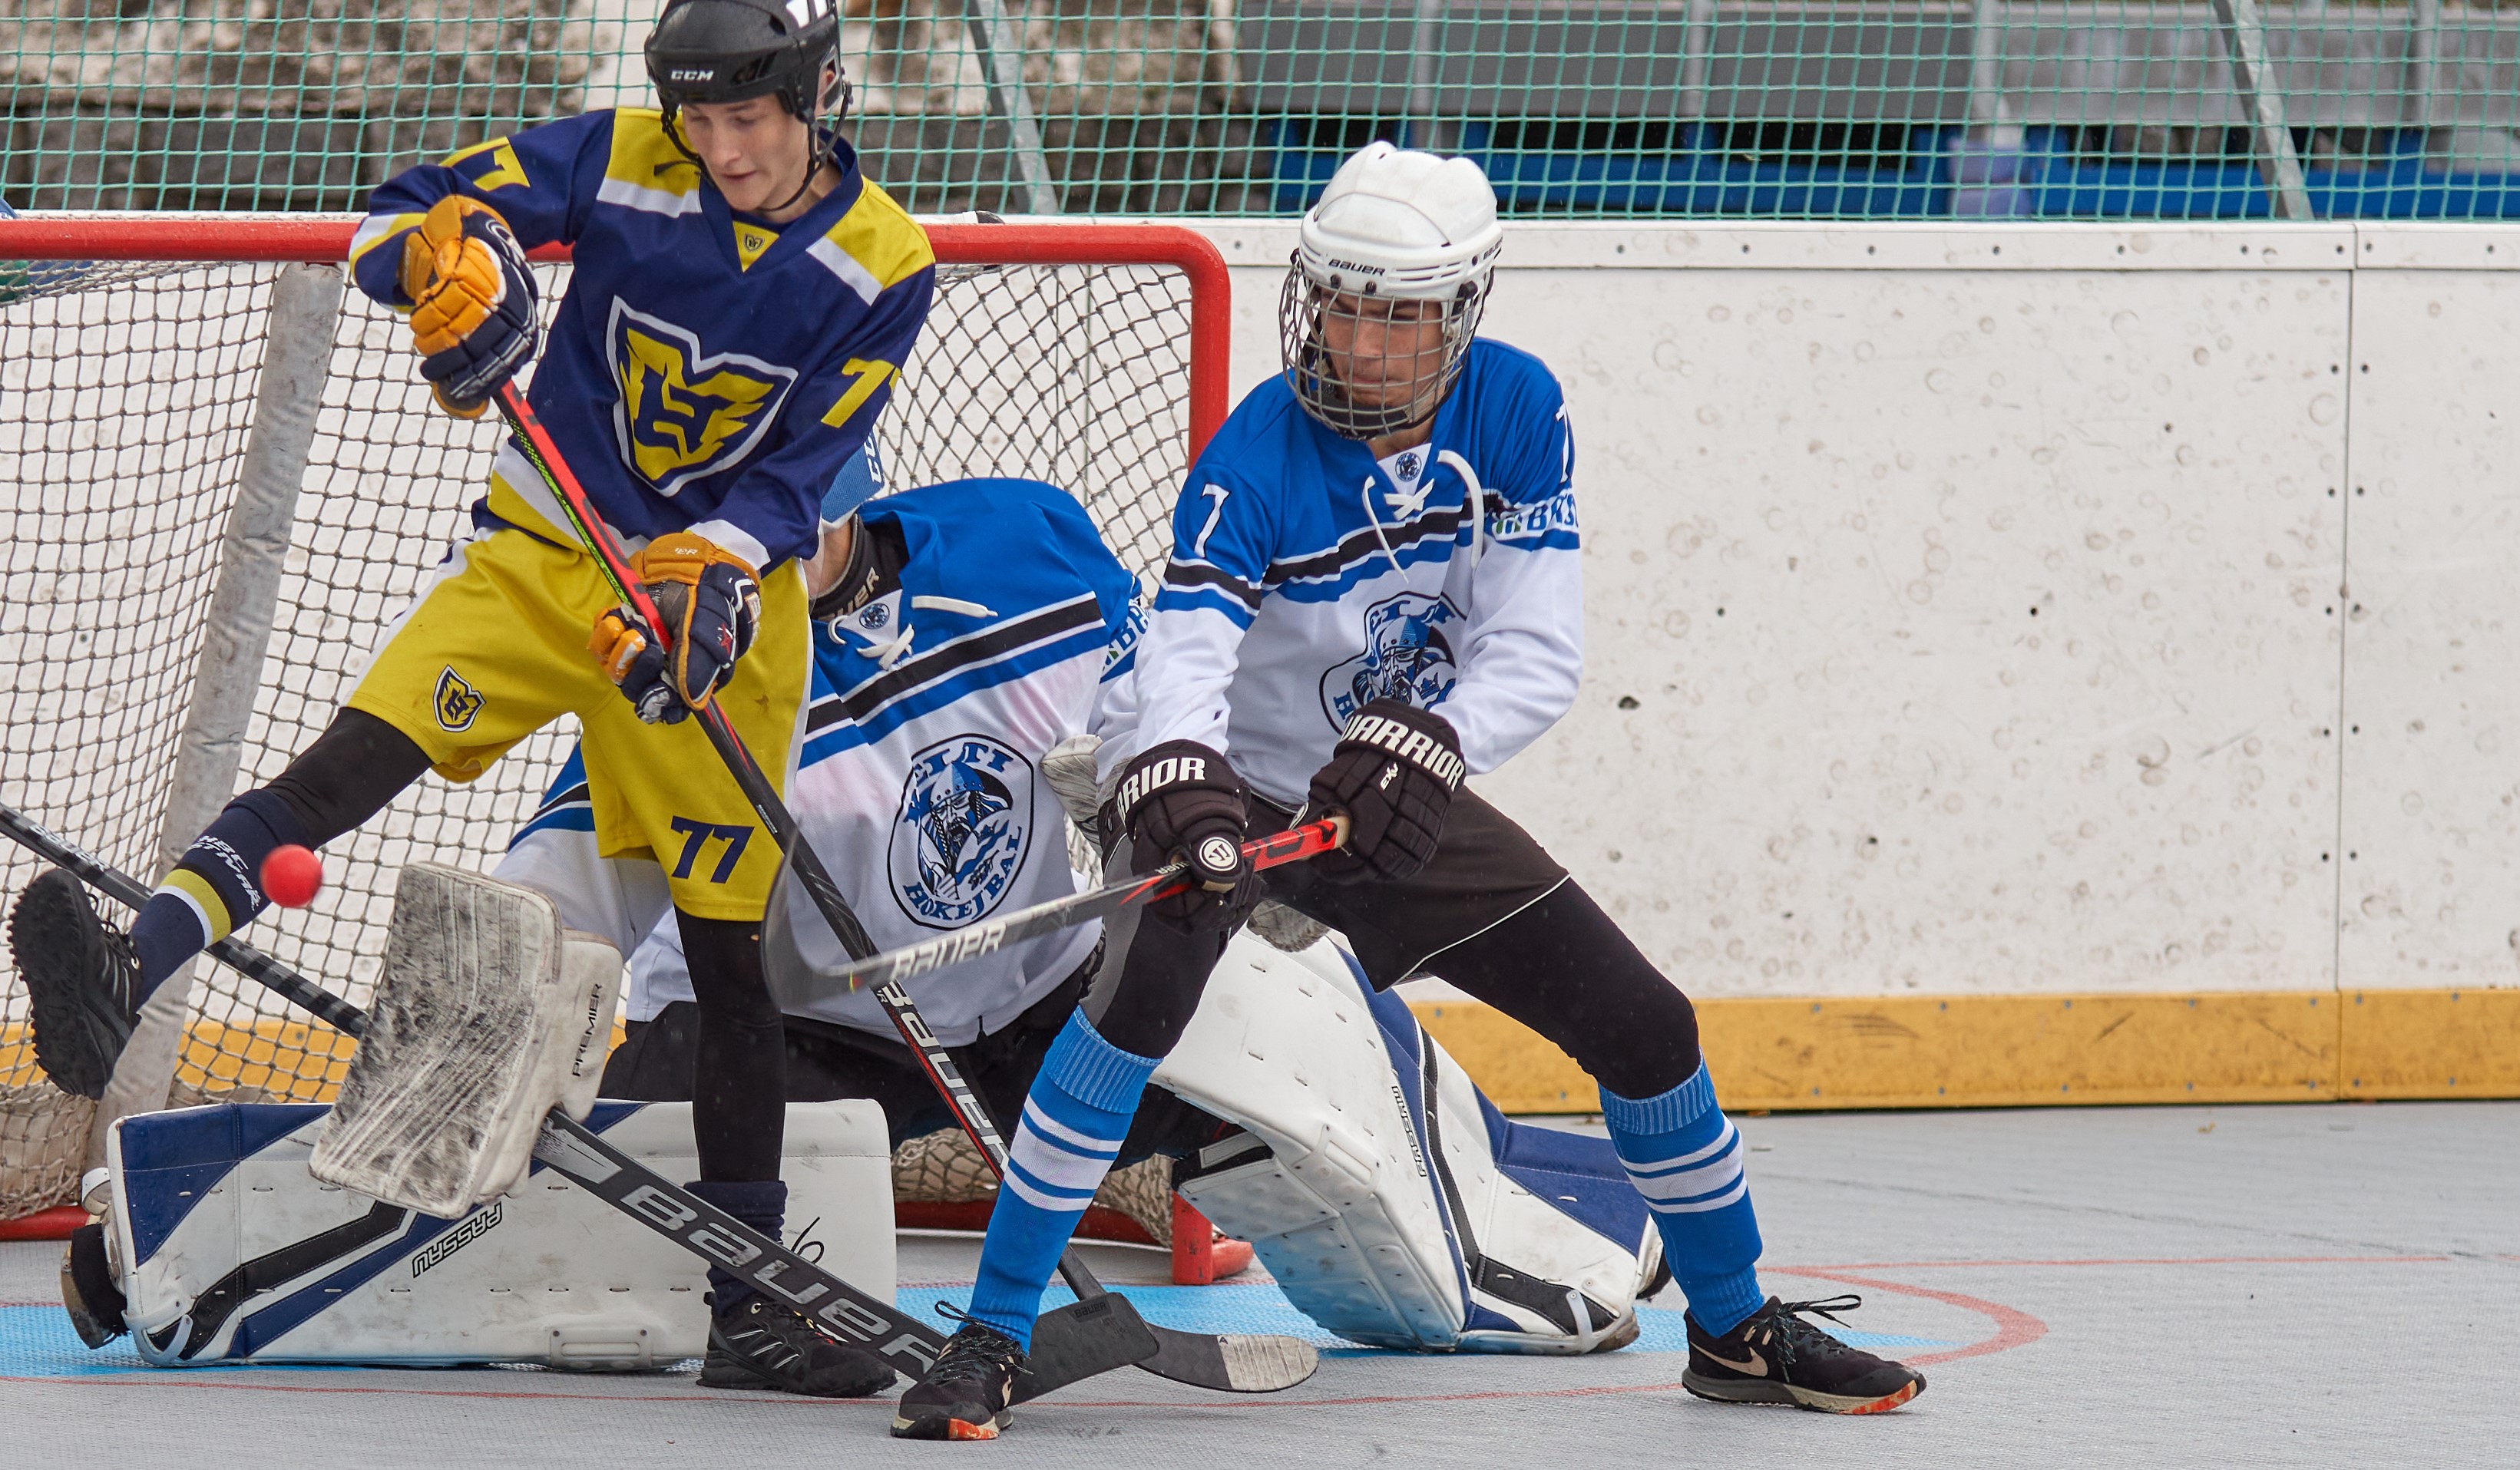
x=683 y=413
x=1407 y=657
x=959 y=839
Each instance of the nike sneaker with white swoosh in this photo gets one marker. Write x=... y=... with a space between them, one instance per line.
x=1775 y=1357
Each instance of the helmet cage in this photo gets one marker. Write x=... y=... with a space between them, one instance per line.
x=1306 y=307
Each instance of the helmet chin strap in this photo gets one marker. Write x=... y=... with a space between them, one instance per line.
x=814 y=155
x=813 y=168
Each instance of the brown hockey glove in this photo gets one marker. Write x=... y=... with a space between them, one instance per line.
x=1181 y=801
x=711 y=602
x=472 y=315
x=1393 y=773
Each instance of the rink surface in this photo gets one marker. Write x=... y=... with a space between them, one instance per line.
x=2327 y=1284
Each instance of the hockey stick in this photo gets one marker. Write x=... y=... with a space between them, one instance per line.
x=1231 y=1363
x=887 y=971
x=1073 y=1343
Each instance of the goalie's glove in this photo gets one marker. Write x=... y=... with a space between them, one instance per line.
x=1393 y=771
x=711 y=601
x=1181 y=801
x=472 y=315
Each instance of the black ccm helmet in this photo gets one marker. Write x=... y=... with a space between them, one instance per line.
x=735 y=49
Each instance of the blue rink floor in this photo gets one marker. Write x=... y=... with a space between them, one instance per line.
x=2300 y=1285
x=36 y=1342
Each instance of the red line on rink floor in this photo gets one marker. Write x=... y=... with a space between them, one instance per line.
x=2013 y=1327
x=2125 y=1261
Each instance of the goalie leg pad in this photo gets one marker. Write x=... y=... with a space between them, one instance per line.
x=228 y=1251
x=1390 y=1200
x=486 y=1015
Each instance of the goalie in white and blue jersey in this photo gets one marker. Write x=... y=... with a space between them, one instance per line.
x=959 y=631
x=1374 y=591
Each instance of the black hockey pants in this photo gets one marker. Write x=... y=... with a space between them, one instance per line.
x=1493 y=914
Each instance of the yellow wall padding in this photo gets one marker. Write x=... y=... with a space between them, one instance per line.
x=2012 y=1051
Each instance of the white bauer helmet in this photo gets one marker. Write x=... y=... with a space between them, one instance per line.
x=1395 y=224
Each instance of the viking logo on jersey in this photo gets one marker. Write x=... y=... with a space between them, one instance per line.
x=959 y=840
x=1406 y=657
x=683 y=414
x=458 y=702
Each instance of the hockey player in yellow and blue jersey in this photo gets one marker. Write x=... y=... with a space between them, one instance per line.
x=742 y=300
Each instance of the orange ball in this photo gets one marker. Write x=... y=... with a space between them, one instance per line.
x=292 y=876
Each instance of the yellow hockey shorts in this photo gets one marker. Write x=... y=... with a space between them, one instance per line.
x=493 y=647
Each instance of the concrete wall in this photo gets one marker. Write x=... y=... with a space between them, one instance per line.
x=2033 y=610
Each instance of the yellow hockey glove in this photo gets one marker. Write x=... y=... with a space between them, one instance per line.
x=472 y=315
x=711 y=602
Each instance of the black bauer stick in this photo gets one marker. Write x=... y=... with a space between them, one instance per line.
x=1073 y=1343
x=1231 y=1363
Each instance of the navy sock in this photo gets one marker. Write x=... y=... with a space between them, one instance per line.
x=1684 y=1157
x=761 y=1204
x=1073 y=1123
x=216 y=886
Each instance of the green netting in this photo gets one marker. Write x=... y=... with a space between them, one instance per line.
x=1243 y=107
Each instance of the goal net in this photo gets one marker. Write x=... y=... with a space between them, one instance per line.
x=134 y=364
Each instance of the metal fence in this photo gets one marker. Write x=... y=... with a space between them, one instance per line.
x=1243 y=107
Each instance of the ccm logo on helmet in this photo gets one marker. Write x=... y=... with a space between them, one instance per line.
x=1163 y=772
x=694 y=73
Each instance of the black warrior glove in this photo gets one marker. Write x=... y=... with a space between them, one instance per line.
x=1394 y=771
x=1182 y=800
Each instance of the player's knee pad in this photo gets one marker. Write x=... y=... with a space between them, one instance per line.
x=225 y=1249
x=1392 y=1202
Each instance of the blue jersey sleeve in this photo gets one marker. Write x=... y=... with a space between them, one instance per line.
x=1225 y=531
x=1533 y=504
x=542 y=181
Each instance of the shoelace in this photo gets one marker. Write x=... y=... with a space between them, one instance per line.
x=1795 y=1338
x=126 y=967
x=987 y=1351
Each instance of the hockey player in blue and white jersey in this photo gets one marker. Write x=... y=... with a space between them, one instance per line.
x=1373 y=592
x=962 y=631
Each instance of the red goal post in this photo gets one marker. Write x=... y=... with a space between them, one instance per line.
x=325 y=239
x=171 y=638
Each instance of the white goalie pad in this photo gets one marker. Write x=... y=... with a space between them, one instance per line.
x=486 y=1015
x=1392 y=1202
x=228 y=1251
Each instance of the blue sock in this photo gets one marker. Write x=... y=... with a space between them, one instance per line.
x=216 y=888
x=1073 y=1122
x=1684 y=1157
x=761 y=1204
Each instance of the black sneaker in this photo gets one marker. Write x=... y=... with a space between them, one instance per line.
x=1775 y=1357
x=963 y=1396
x=83 y=982
x=759 y=1344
